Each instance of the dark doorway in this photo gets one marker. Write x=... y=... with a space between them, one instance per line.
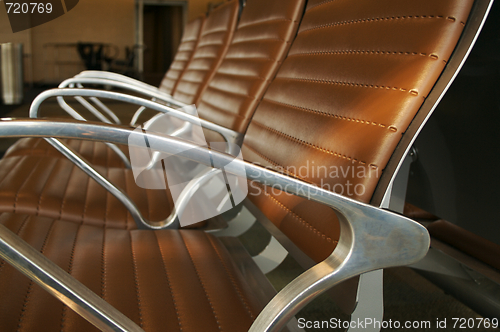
x=162 y=30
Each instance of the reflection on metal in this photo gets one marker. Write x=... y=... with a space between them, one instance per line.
x=158 y=95
x=370 y=238
x=272 y=256
x=116 y=77
x=58 y=283
x=238 y=225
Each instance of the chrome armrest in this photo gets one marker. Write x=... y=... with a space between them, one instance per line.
x=371 y=238
x=158 y=95
x=116 y=77
x=229 y=135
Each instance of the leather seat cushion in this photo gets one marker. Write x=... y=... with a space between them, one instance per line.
x=96 y=153
x=164 y=280
x=56 y=188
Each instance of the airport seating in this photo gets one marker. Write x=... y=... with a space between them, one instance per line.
x=260 y=43
x=356 y=87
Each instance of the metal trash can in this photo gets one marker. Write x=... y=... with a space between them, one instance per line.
x=12 y=73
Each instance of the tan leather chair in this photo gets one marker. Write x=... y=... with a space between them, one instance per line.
x=205 y=43
x=261 y=41
x=344 y=97
x=185 y=52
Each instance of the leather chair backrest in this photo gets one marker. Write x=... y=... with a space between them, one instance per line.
x=216 y=34
x=189 y=42
x=353 y=80
x=261 y=41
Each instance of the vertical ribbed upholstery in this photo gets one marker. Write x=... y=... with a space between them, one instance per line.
x=259 y=45
x=353 y=80
x=189 y=41
x=162 y=280
x=216 y=34
x=58 y=189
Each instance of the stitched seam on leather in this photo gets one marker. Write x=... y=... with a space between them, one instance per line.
x=250 y=58
x=348 y=84
x=213 y=31
x=168 y=281
x=312 y=146
x=18 y=233
x=85 y=200
x=266 y=21
x=201 y=282
x=31 y=283
x=231 y=278
x=24 y=182
x=258 y=40
x=223 y=110
x=136 y=281
x=14 y=167
x=297 y=217
x=103 y=265
x=70 y=269
x=319 y=4
x=335 y=116
x=232 y=92
x=239 y=75
x=364 y=52
x=43 y=188
x=125 y=187
x=281 y=167
x=377 y=19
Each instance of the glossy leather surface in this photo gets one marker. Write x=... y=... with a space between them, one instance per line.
x=353 y=80
x=262 y=40
x=215 y=37
x=189 y=41
x=263 y=37
x=98 y=154
x=161 y=280
x=56 y=188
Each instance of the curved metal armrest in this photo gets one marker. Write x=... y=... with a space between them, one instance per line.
x=371 y=238
x=229 y=135
x=158 y=95
x=115 y=77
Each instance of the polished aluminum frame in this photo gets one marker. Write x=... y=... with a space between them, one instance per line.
x=371 y=238
x=233 y=139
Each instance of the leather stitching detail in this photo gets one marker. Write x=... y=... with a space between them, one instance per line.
x=70 y=269
x=348 y=84
x=363 y=52
x=31 y=283
x=103 y=265
x=335 y=116
x=231 y=278
x=297 y=217
x=85 y=200
x=265 y=21
x=223 y=110
x=18 y=233
x=378 y=19
x=279 y=166
x=43 y=188
x=319 y=4
x=136 y=281
x=307 y=144
x=201 y=282
x=24 y=182
x=168 y=281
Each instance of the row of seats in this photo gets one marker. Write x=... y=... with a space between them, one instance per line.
x=334 y=84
